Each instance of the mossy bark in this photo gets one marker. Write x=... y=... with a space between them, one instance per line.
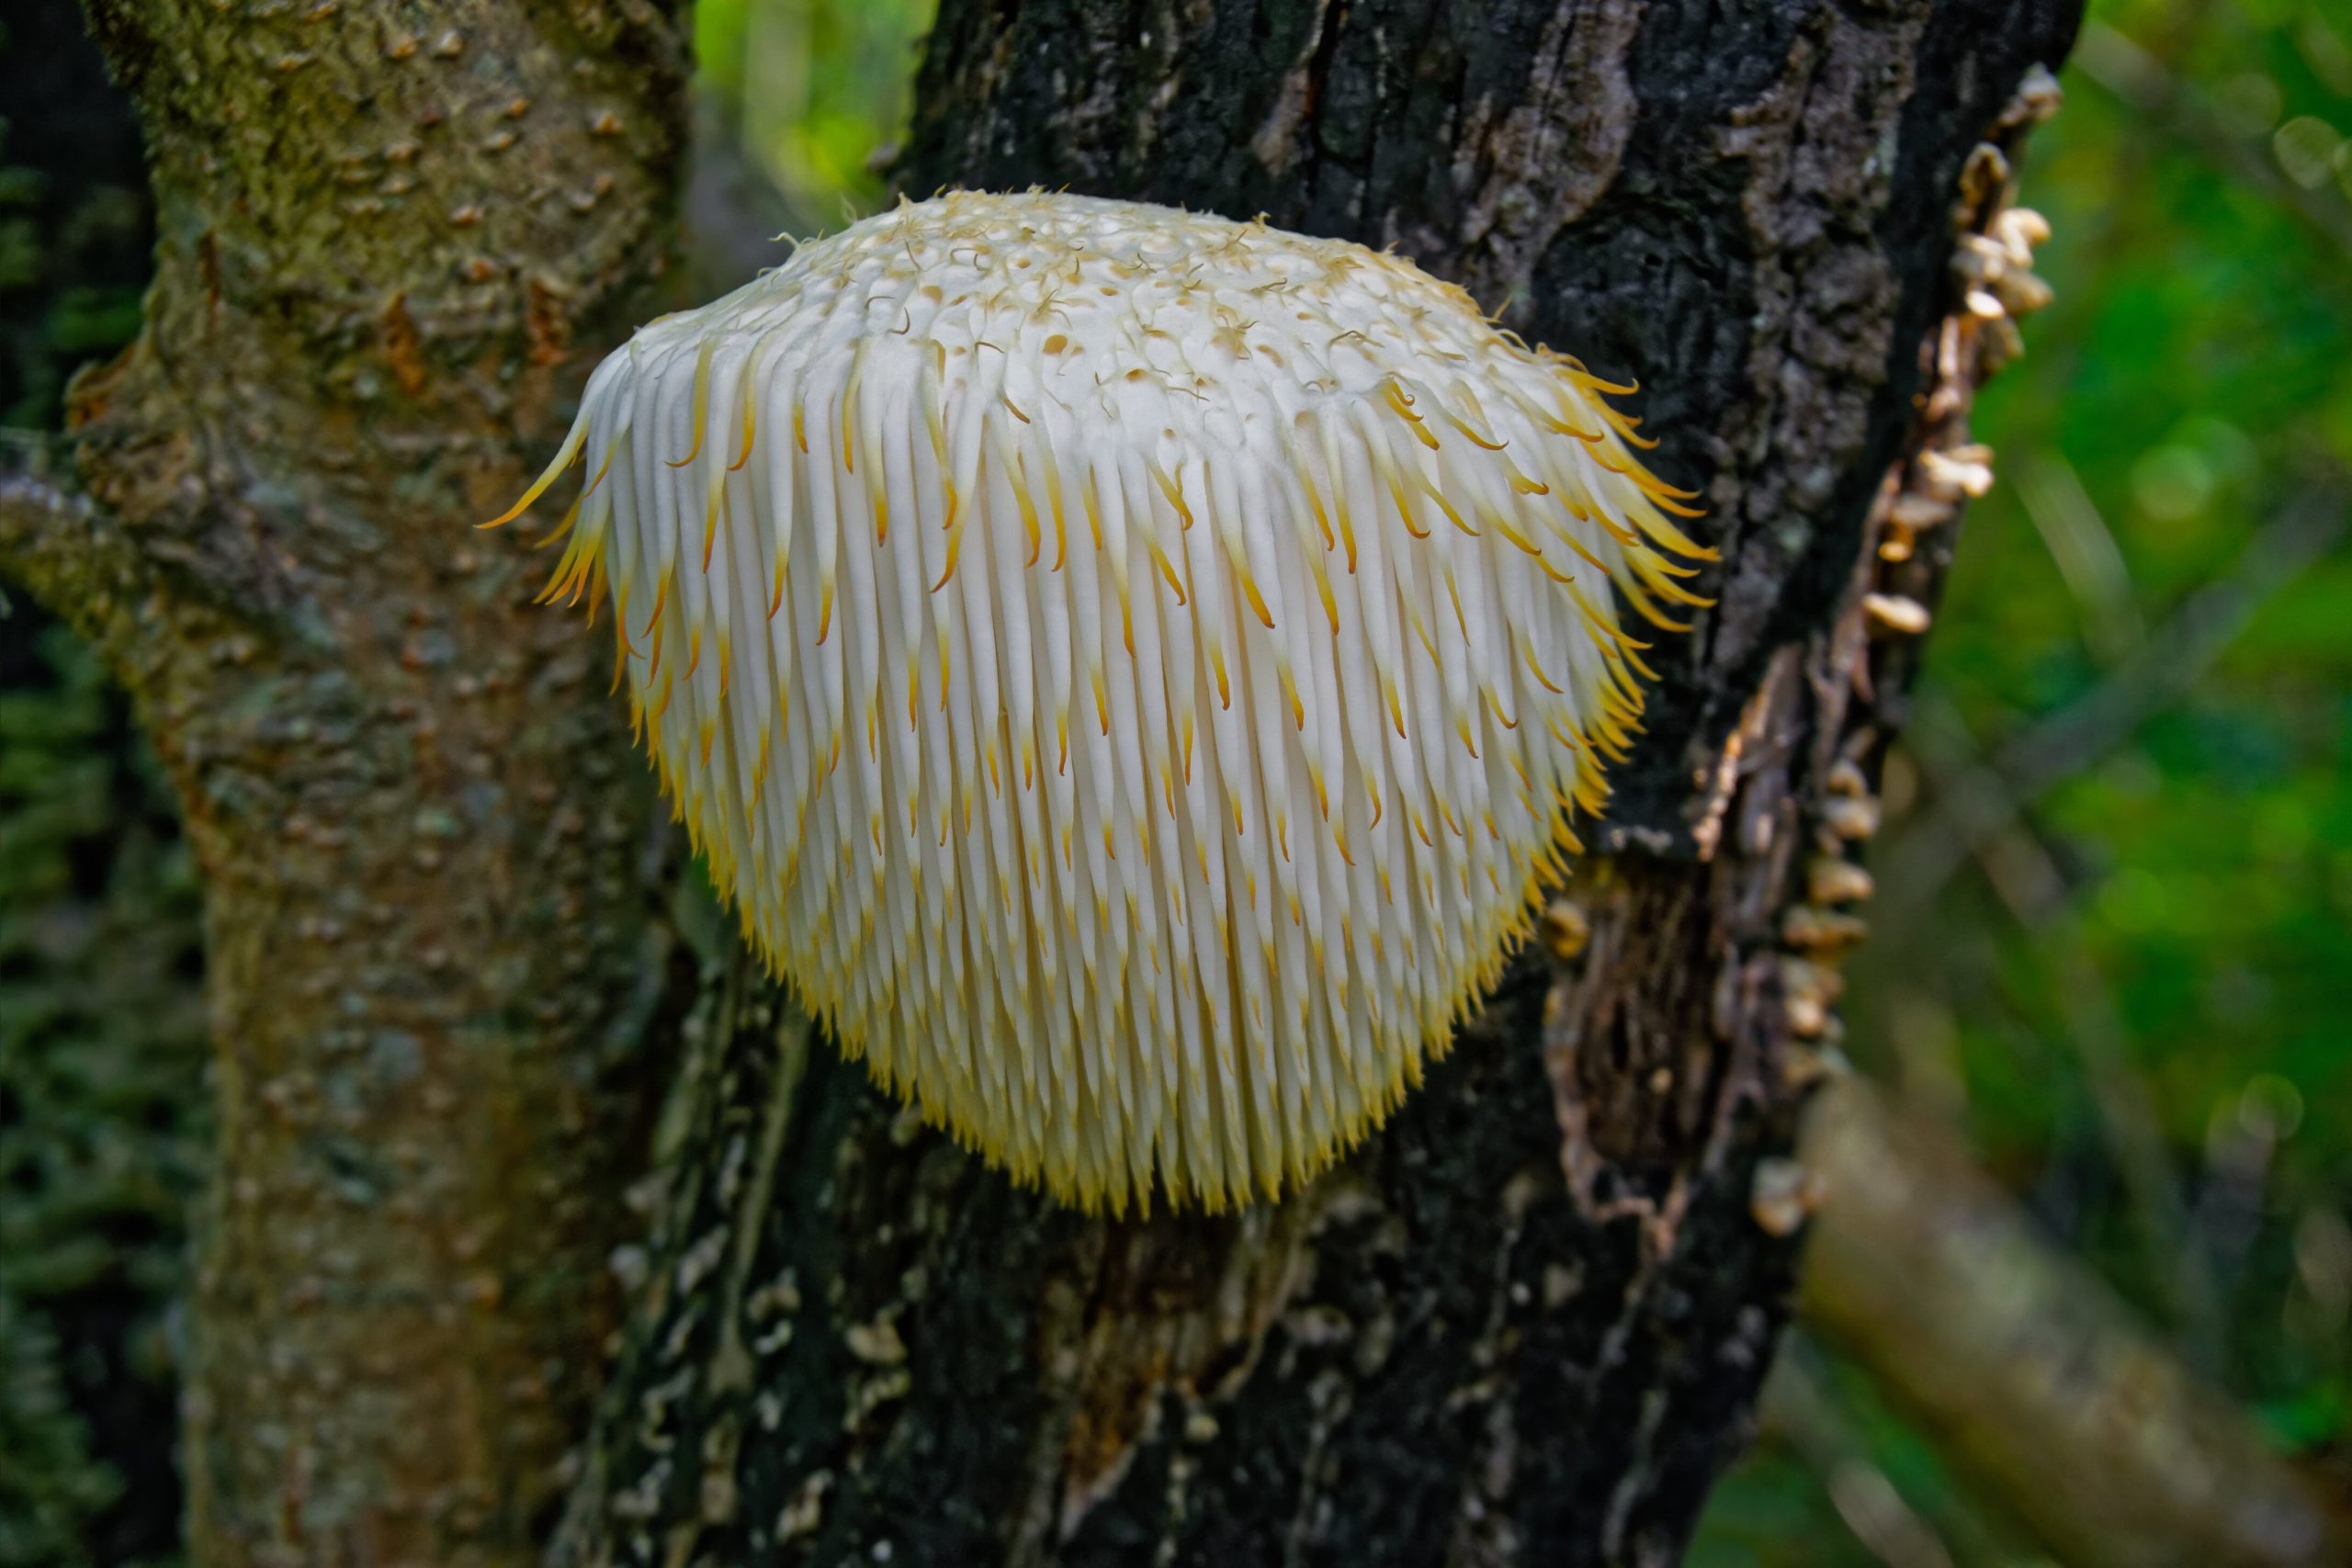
x=392 y=238
x=1527 y=1321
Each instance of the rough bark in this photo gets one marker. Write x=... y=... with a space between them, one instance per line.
x=1526 y=1322
x=392 y=238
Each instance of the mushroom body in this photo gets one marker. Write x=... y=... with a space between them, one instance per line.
x=1130 y=671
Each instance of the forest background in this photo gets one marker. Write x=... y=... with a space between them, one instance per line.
x=2112 y=956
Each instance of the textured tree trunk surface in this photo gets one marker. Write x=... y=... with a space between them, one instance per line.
x=392 y=239
x=1526 y=1322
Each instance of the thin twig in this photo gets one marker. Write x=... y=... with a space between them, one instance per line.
x=2026 y=877
x=1800 y=1407
x=1982 y=802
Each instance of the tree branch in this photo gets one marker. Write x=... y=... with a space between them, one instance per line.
x=64 y=551
x=2027 y=1372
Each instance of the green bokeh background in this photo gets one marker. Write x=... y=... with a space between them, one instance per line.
x=2153 y=955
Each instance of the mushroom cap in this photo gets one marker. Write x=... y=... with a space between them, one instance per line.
x=1130 y=671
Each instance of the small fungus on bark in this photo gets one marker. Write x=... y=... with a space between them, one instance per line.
x=1132 y=671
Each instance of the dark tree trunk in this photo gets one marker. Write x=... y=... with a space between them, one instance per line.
x=1526 y=1323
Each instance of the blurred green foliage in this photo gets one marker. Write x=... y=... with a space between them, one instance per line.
x=2155 y=955
x=102 y=1118
x=75 y=227
x=812 y=94
x=50 y=1490
x=103 y=1112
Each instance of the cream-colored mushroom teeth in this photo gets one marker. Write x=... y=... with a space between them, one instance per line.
x=1130 y=671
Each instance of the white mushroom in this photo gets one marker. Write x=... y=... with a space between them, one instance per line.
x=1131 y=671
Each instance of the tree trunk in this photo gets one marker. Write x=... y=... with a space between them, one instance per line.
x=388 y=251
x=1527 y=1321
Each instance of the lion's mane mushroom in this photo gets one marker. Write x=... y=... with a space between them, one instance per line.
x=1129 y=669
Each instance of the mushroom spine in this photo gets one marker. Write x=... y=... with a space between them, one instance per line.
x=1130 y=671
